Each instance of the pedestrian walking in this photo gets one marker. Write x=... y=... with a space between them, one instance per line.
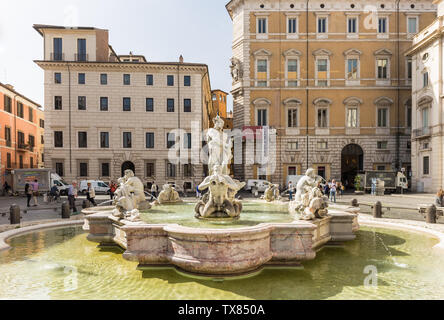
x=374 y=181
x=153 y=191
x=28 y=192
x=35 y=191
x=112 y=189
x=290 y=190
x=197 y=191
x=333 y=191
x=327 y=188
x=6 y=188
x=91 y=194
x=439 y=198
x=72 y=195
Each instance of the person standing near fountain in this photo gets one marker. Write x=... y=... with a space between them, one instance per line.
x=72 y=195
x=91 y=194
x=290 y=190
x=153 y=191
x=35 y=191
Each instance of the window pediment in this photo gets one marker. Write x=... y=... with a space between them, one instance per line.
x=383 y=101
x=353 y=101
x=322 y=52
x=261 y=102
x=292 y=101
x=383 y=52
x=352 y=52
x=322 y=101
x=262 y=52
x=425 y=101
x=291 y=52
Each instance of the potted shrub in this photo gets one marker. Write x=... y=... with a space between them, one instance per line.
x=359 y=188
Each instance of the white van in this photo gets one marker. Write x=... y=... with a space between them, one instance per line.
x=61 y=184
x=260 y=184
x=98 y=185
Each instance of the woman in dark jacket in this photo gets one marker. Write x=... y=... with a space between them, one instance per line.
x=28 y=192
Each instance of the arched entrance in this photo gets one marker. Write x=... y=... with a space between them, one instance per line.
x=352 y=161
x=128 y=165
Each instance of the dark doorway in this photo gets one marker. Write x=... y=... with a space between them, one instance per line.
x=128 y=165
x=352 y=161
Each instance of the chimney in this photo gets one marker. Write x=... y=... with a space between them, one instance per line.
x=9 y=86
x=180 y=59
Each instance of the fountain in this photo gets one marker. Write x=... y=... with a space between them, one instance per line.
x=221 y=242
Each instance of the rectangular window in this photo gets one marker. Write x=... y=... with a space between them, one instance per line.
x=104 y=139
x=31 y=141
x=352 y=117
x=149 y=104
x=171 y=170
x=83 y=169
x=262 y=72
x=425 y=79
x=81 y=50
x=21 y=162
x=149 y=137
x=150 y=169
x=20 y=112
x=8 y=160
x=425 y=118
x=352 y=69
x=292 y=171
x=31 y=162
x=322 y=145
x=57 y=77
x=409 y=117
x=149 y=80
x=187 y=170
x=292 y=145
x=126 y=104
x=412 y=23
x=42 y=140
x=81 y=78
x=382 y=68
x=30 y=114
x=382 y=25
x=409 y=69
x=322 y=118
x=57 y=103
x=186 y=105
x=352 y=25
x=382 y=144
x=81 y=102
x=187 y=81
x=103 y=103
x=103 y=78
x=425 y=165
x=58 y=139
x=105 y=169
x=187 y=141
x=292 y=25
x=382 y=117
x=170 y=80
x=8 y=136
x=126 y=79
x=7 y=102
x=262 y=117
x=292 y=118
x=59 y=168
x=262 y=25
x=170 y=105
x=380 y=167
x=58 y=52
x=171 y=139
x=42 y=123
x=83 y=139
x=21 y=139
x=322 y=25
x=262 y=65
x=127 y=139
x=292 y=72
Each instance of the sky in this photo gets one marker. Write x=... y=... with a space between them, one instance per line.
x=200 y=30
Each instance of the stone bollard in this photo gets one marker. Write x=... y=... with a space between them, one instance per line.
x=377 y=210
x=431 y=214
x=86 y=204
x=354 y=203
x=66 y=212
x=14 y=214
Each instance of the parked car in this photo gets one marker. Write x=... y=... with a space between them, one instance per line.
x=260 y=184
x=98 y=185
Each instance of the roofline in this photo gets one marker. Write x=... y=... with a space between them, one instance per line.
x=20 y=95
x=229 y=12
x=221 y=91
x=186 y=64
x=39 y=27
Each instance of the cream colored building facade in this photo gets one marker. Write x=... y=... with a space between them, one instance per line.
x=332 y=79
x=428 y=108
x=106 y=113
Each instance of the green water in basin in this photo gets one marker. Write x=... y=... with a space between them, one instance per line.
x=63 y=264
x=253 y=213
